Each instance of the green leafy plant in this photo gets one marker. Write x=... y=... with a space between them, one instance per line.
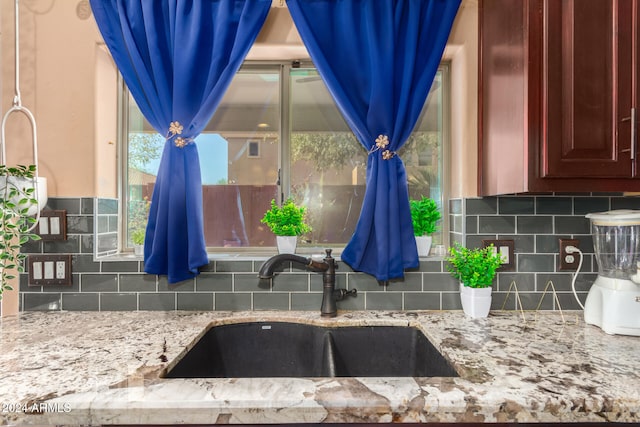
x=476 y=267
x=137 y=237
x=17 y=197
x=288 y=220
x=424 y=216
x=138 y=216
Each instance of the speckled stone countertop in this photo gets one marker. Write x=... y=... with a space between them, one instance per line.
x=81 y=368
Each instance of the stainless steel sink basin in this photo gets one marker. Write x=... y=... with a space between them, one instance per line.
x=280 y=349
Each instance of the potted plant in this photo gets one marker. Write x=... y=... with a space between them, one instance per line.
x=138 y=216
x=17 y=203
x=137 y=238
x=424 y=216
x=474 y=269
x=286 y=222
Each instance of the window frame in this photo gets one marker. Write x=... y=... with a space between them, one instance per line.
x=284 y=148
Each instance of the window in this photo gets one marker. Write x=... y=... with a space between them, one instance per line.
x=278 y=133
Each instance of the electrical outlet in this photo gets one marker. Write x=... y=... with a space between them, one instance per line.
x=61 y=269
x=568 y=261
x=49 y=270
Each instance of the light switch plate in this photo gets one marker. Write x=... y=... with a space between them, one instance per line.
x=506 y=249
x=50 y=270
x=52 y=225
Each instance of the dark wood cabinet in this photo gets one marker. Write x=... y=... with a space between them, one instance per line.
x=557 y=92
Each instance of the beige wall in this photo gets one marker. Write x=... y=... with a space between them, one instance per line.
x=62 y=59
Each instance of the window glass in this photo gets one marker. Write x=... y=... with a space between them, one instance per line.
x=278 y=133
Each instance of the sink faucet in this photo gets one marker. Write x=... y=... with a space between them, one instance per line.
x=327 y=267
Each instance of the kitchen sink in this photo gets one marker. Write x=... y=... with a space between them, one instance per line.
x=282 y=349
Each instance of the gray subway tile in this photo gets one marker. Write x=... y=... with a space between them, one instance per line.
x=456 y=223
x=84 y=264
x=86 y=244
x=69 y=246
x=549 y=243
x=42 y=301
x=119 y=302
x=486 y=205
x=554 y=206
x=69 y=204
x=384 y=301
x=451 y=300
x=74 y=287
x=496 y=224
x=200 y=301
x=157 y=302
x=363 y=282
x=292 y=282
x=234 y=266
x=572 y=225
x=471 y=224
x=632 y=202
x=249 y=282
x=430 y=266
x=475 y=241
x=107 y=206
x=315 y=282
x=99 y=282
x=79 y=224
x=271 y=301
x=411 y=282
x=86 y=205
x=516 y=205
x=356 y=302
x=585 y=205
x=107 y=242
x=214 y=282
x=439 y=282
x=535 y=224
x=455 y=206
x=568 y=302
x=121 y=267
x=137 y=283
x=183 y=286
x=535 y=262
x=310 y=301
x=524 y=282
x=522 y=243
x=227 y=301
x=87 y=301
x=421 y=300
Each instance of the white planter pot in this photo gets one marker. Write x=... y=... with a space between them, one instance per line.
x=424 y=245
x=476 y=302
x=26 y=183
x=138 y=250
x=287 y=244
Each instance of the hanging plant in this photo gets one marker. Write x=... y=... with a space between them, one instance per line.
x=17 y=197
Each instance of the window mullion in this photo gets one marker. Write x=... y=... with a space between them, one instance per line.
x=285 y=132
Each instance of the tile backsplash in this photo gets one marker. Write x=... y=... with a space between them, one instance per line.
x=533 y=222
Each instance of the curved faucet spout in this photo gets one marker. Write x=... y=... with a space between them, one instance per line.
x=328 y=268
x=269 y=266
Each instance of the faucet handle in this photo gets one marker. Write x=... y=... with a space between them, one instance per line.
x=328 y=252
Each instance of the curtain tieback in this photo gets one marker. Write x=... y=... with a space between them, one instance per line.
x=381 y=144
x=175 y=128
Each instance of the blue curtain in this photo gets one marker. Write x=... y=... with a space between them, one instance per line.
x=178 y=57
x=378 y=59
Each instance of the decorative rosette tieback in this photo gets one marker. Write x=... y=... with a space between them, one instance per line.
x=382 y=141
x=175 y=128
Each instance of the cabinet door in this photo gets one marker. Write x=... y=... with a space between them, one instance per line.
x=587 y=85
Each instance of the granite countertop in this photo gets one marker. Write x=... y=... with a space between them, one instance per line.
x=92 y=368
